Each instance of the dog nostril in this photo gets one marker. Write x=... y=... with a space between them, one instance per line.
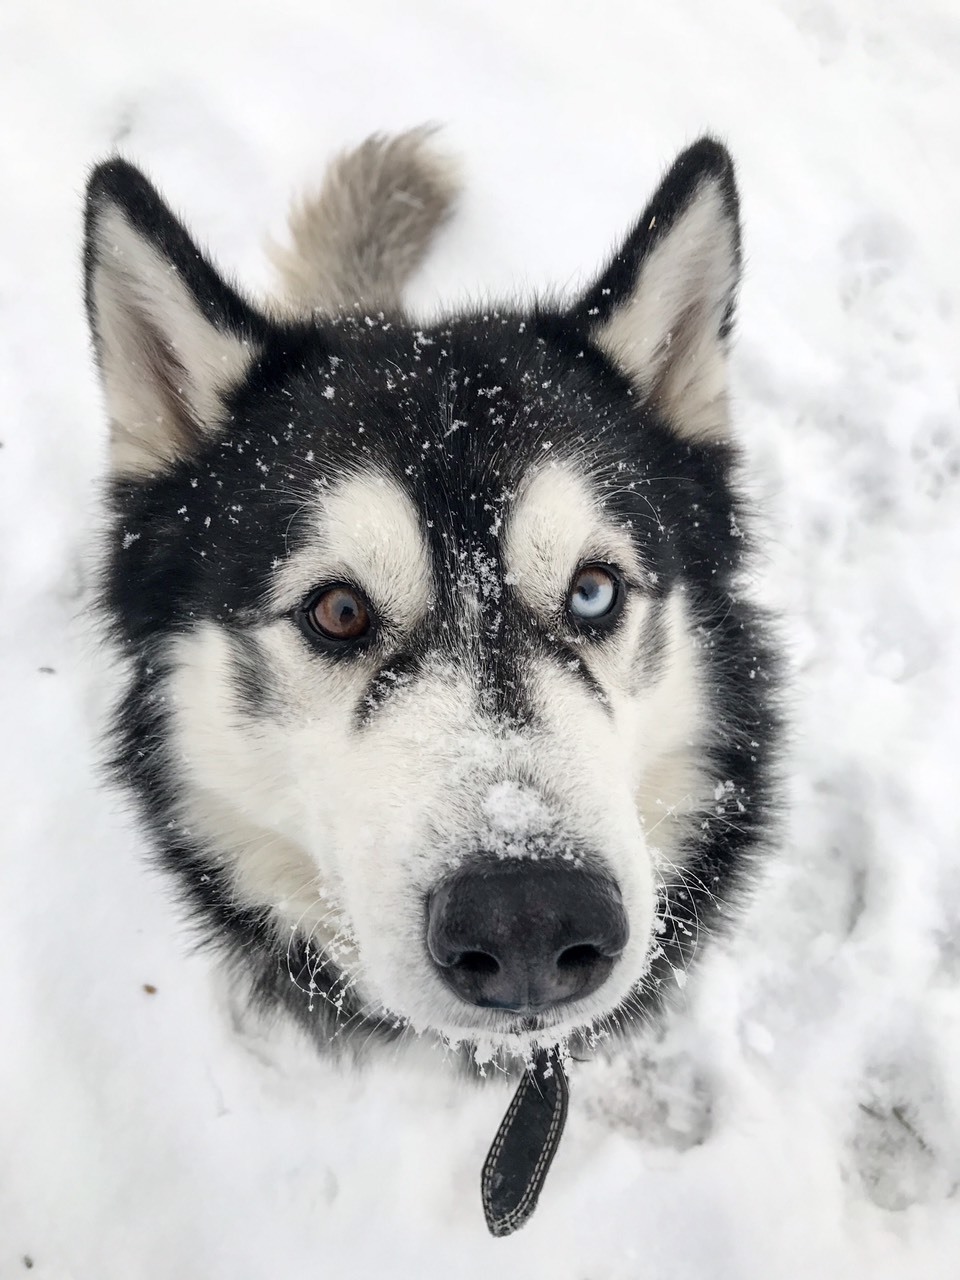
x=582 y=956
x=478 y=962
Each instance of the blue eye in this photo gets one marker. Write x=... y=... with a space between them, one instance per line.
x=595 y=594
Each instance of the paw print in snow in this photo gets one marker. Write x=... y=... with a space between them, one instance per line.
x=936 y=452
x=904 y=1143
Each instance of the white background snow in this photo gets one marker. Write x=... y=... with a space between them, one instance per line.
x=802 y=1117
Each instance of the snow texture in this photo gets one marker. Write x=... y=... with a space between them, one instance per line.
x=801 y=1115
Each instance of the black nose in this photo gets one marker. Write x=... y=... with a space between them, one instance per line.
x=524 y=935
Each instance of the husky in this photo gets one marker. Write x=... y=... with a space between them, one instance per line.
x=444 y=702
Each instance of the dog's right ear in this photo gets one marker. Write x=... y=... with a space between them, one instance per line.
x=172 y=338
x=663 y=308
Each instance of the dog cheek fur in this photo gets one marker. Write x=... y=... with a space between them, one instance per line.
x=324 y=825
x=246 y=788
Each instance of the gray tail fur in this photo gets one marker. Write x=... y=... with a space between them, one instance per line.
x=363 y=234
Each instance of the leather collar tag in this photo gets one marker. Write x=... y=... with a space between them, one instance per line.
x=519 y=1159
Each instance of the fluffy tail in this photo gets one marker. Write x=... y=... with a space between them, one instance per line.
x=364 y=233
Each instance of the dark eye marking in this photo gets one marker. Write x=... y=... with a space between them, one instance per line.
x=397 y=673
x=252 y=676
x=595 y=598
x=339 y=615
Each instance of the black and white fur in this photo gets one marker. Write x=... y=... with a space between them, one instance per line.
x=458 y=473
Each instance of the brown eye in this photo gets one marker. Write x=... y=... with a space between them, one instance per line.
x=595 y=595
x=339 y=613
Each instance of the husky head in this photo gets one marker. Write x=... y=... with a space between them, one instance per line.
x=442 y=703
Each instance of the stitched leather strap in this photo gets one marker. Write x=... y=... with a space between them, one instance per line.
x=519 y=1159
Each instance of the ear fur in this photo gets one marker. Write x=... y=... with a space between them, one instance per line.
x=172 y=338
x=663 y=309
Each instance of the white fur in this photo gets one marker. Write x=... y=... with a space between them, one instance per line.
x=557 y=526
x=667 y=334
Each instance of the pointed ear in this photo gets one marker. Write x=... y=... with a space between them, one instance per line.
x=663 y=309
x=172 y=338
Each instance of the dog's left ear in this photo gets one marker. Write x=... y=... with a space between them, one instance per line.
x=663 y=309
x=172 y=338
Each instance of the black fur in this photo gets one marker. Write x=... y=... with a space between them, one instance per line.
x=456 y=413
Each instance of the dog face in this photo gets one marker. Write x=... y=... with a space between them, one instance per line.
x=424 y=620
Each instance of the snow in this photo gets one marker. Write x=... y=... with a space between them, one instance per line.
x=801 y=1117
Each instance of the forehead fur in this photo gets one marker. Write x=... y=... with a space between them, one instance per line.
x=365 y=530
x=556 y=524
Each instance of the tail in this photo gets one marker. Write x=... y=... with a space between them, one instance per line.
x=363 y=234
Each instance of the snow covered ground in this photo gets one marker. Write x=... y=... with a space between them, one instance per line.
x=802 y=1116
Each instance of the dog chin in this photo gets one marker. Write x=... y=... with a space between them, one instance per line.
x=508 y=1034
